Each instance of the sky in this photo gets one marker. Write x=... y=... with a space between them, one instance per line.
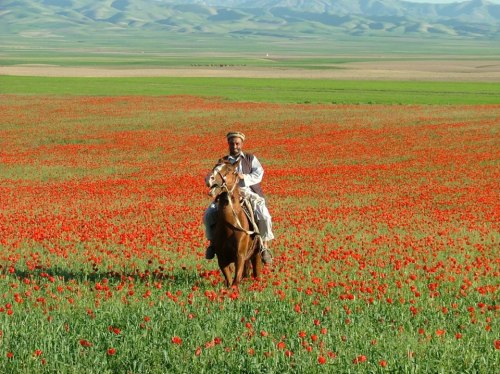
x=448 y=1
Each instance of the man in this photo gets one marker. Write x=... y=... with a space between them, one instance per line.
x=250 y=173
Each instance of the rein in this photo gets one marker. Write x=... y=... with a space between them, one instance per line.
x=238 y=226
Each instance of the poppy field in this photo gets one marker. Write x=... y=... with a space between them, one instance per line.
x=386 y=220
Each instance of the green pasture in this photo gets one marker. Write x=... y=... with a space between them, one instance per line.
x=154 y=45
x=130 y=59
x=264 y=90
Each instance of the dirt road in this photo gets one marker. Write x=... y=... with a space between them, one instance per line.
x=479 y=71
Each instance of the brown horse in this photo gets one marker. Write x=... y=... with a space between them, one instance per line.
x=234 y=241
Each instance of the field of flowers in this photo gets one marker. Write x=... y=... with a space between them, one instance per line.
x=386 y=257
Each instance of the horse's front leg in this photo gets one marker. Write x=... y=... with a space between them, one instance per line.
x=256 y=265
x=239 y=268
x=226 y=271
x=246 y=271
x=255 y=258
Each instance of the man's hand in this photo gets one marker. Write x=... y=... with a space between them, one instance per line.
x=241 y=175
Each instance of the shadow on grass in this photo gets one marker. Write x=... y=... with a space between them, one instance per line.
x=178 y=277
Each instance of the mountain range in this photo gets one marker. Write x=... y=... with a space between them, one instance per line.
x=277 y=18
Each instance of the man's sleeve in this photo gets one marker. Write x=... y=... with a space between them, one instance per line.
x=256 y=174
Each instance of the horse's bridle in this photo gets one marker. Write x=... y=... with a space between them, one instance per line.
x=239 y=226
x=223 y=186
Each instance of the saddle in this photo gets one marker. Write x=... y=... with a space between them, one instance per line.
x=249 y=212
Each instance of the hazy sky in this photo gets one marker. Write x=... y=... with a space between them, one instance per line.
x=448 y=1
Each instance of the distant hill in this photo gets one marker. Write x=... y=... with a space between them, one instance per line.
x=279 y=18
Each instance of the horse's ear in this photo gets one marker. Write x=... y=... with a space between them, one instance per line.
x=221 y=161
x=224 y=160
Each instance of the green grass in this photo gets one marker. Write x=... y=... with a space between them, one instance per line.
x=16 y=41
x=123 y=58
x=264 y=90
x=101 y=252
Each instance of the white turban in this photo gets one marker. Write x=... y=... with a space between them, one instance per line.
x=233 y=134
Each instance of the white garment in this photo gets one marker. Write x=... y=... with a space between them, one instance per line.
x=255 y=176
x=261 y=215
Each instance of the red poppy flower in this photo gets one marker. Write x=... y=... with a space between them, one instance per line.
x=281 y=345
x=85 y=343
x=176 y=340
x=359 y=359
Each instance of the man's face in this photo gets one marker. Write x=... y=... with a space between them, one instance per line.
x=235 y=146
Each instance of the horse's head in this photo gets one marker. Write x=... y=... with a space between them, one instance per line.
x=224 y=178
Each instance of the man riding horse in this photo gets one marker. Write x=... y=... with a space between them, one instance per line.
x=250 y=173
